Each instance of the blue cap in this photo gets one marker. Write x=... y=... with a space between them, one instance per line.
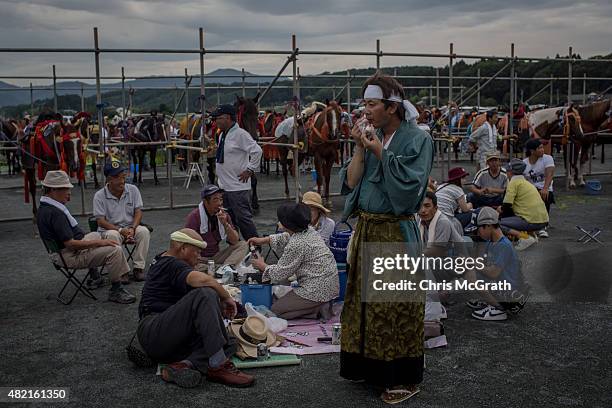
x=224 y=110
x=210 y=190
x=113 y=168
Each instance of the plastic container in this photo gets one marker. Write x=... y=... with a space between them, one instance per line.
x=342 y=277
x=257 y=294
x=313 y=174
x=593 y=187
x=338 y=242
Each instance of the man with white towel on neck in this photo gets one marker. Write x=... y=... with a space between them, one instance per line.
x=215 y=226
x=55 y=223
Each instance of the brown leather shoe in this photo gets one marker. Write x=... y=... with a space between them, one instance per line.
x=181 y=374
x=228 y=374
x=139 y=275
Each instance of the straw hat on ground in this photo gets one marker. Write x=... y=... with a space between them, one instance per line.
x=251 y=332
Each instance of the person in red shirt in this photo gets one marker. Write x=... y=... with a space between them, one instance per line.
x=215 y=226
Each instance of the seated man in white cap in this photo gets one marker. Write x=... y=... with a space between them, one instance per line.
x=216 y=228
x=181 y=317
x=55 y=223
x=118 y=211
x=502 y=267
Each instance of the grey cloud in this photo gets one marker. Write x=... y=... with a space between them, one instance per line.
x=477 y=27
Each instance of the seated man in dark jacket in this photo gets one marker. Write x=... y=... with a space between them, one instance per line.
x=55 y=223
x=181 y=317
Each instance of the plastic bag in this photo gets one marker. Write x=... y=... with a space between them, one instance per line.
x=281 y=290
x=243 y=270
x=275 y=324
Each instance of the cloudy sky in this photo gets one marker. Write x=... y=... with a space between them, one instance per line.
x=538 y=28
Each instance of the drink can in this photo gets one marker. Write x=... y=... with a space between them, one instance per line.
x=211 y=267
x=262 y=352
x=336 y=333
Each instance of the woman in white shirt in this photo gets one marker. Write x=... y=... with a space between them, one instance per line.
x=452 y=198
x=318 y=215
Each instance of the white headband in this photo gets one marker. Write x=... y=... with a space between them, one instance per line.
x=179 y=236
x=375 y=92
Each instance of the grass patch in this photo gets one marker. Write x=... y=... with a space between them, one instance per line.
x=564 y=202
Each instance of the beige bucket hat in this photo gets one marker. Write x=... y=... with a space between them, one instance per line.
x=57 y=179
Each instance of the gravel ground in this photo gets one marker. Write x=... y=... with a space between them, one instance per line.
x=555 y=353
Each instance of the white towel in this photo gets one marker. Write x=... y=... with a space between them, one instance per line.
x=492 y=133
x=48 y=200
x=431 y=231
x=204 y=223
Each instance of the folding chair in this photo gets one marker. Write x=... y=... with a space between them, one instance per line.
x=589 y=235
x=129 y=247
x=52 y=247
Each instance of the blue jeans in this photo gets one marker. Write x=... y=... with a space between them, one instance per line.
x=519 y=224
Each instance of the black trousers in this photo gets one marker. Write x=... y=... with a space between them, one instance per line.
x=549 y=201
x=239 y=206
x=482 y=200
x=192 y=329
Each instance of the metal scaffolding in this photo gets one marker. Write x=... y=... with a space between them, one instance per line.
x=435 y=81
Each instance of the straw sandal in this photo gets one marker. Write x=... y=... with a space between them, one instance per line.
x=395 y=396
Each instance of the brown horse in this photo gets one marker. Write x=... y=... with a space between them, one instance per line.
x=53 y=146
x=247 y=116
x=325 y=133
x=191 y=129
x=29 y=162
x=590 y=118
x=286 y=154
x=11 y=131
x=149 y=129
x=267 y=129
x=545 y=123
x=82 y=122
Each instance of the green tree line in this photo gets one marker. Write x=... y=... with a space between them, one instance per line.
x=497 y=92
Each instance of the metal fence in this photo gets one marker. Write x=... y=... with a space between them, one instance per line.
x=292 y=54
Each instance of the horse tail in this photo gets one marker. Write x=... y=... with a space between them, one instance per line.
x=26 y=187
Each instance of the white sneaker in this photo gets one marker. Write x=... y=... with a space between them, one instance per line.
x=525 y=243
x=543 y=233
x=490 y=313
x=476 y=304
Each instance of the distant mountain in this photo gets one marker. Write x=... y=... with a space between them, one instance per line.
x=21 y=95
x=418 y=87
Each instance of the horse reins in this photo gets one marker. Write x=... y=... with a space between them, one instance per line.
x=566 y=125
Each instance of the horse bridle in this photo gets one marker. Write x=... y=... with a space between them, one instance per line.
x=567 y=113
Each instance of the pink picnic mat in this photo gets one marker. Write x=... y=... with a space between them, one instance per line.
x=302 y=339
x=301 y=336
